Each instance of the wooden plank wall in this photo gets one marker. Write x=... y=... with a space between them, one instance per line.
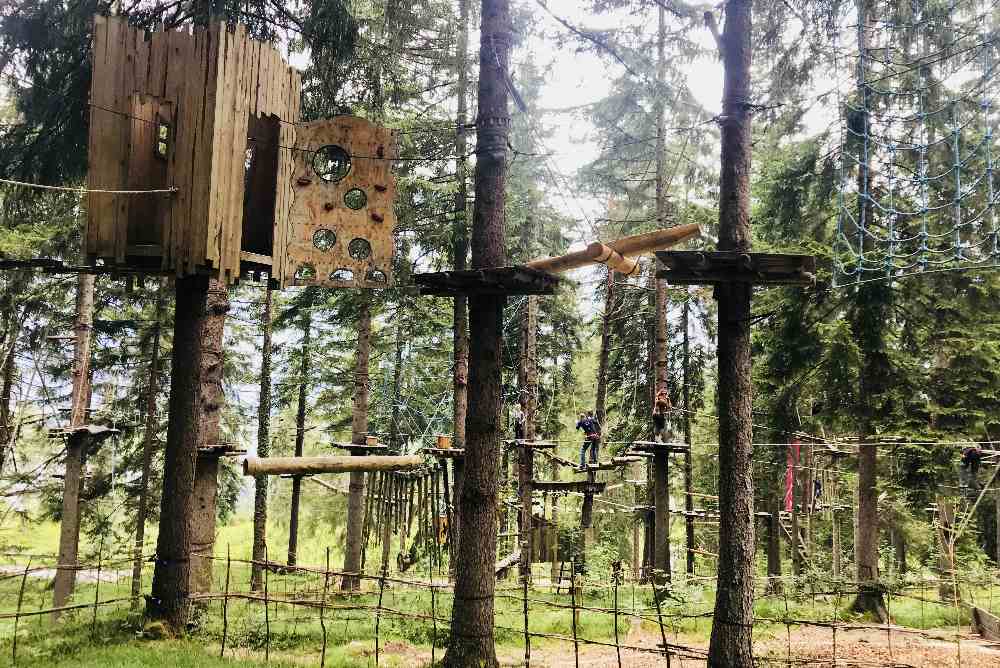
x=211 y=80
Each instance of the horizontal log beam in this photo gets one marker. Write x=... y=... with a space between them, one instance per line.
x=313 y=465
x=618 y=254
x=652 y=241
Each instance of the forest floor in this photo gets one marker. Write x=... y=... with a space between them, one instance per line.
x=808 y=646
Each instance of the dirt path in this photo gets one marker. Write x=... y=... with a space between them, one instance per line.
x=808 y=646
x=812 y=647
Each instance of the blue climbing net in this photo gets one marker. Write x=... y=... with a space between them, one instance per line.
x=917 y=189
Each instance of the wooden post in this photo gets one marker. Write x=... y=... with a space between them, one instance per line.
x=688 y=463
x=528 y=380
x=69 y=526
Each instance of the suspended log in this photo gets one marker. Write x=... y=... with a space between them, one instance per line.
x=312 y=465
x=652 y=241
x=595 y=252
x=617 y=254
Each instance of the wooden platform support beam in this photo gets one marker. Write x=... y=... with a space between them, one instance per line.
x=718 y=267
x=313 y=465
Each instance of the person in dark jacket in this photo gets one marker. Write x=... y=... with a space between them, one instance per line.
x=591 y=437
x=968 y=471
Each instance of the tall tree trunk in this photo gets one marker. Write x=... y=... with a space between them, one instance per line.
x=661 y=460
x=300 y=435
x=6 y=387
x=397 y=381
x=774 y=585
x=871 y=312
x=688 y=462
x=471 y=642
x=730 y=644
x=600 y=410
x=148 y=446
x=460 y=252
x=359 y=432
x=528 y=385
x=169 y=598
x=263 y=446
x=460 y=230
x=69 y=529
x=206 y=475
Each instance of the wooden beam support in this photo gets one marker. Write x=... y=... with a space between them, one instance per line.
x=582 y=486
x=517 y=280
x=313 y=465
x=710 y=268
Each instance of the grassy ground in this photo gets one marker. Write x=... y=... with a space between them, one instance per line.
x=293 y=635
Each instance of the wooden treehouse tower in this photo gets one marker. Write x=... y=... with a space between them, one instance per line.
x=212 y=118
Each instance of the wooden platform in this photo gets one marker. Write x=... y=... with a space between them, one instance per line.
x=221 y=450
x=584 y=486
x=615 y=463
x=445 y=453
x=361 y=448
x=537 y=445
x=637 y=448
x=709 y=268
x=518 y=280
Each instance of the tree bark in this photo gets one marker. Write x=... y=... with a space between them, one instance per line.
x=774 y=585
x=13 y=330
x=471 y=641
x=206 y=479
x=359 y=431
x=688 y=463
x=869 y=319
x=263 y=447
x=169 y=598
x=69 y=528
x=947 y=589
x=528 y=382
x=600 y=401
x=460 y=230
x=732 y=626
x=148 y=447
x=460 y=252
x=397 y=382
x=300 y=434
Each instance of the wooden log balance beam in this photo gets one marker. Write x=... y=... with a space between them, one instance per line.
x=618 y=254
x=344 y=464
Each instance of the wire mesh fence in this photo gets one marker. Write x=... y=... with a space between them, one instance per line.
x=574 y=619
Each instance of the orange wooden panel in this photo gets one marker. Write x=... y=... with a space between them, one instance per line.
x=329 y=238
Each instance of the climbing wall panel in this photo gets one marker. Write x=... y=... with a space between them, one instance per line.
x=342 y=218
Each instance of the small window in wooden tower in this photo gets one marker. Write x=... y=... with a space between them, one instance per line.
x=162 y=148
